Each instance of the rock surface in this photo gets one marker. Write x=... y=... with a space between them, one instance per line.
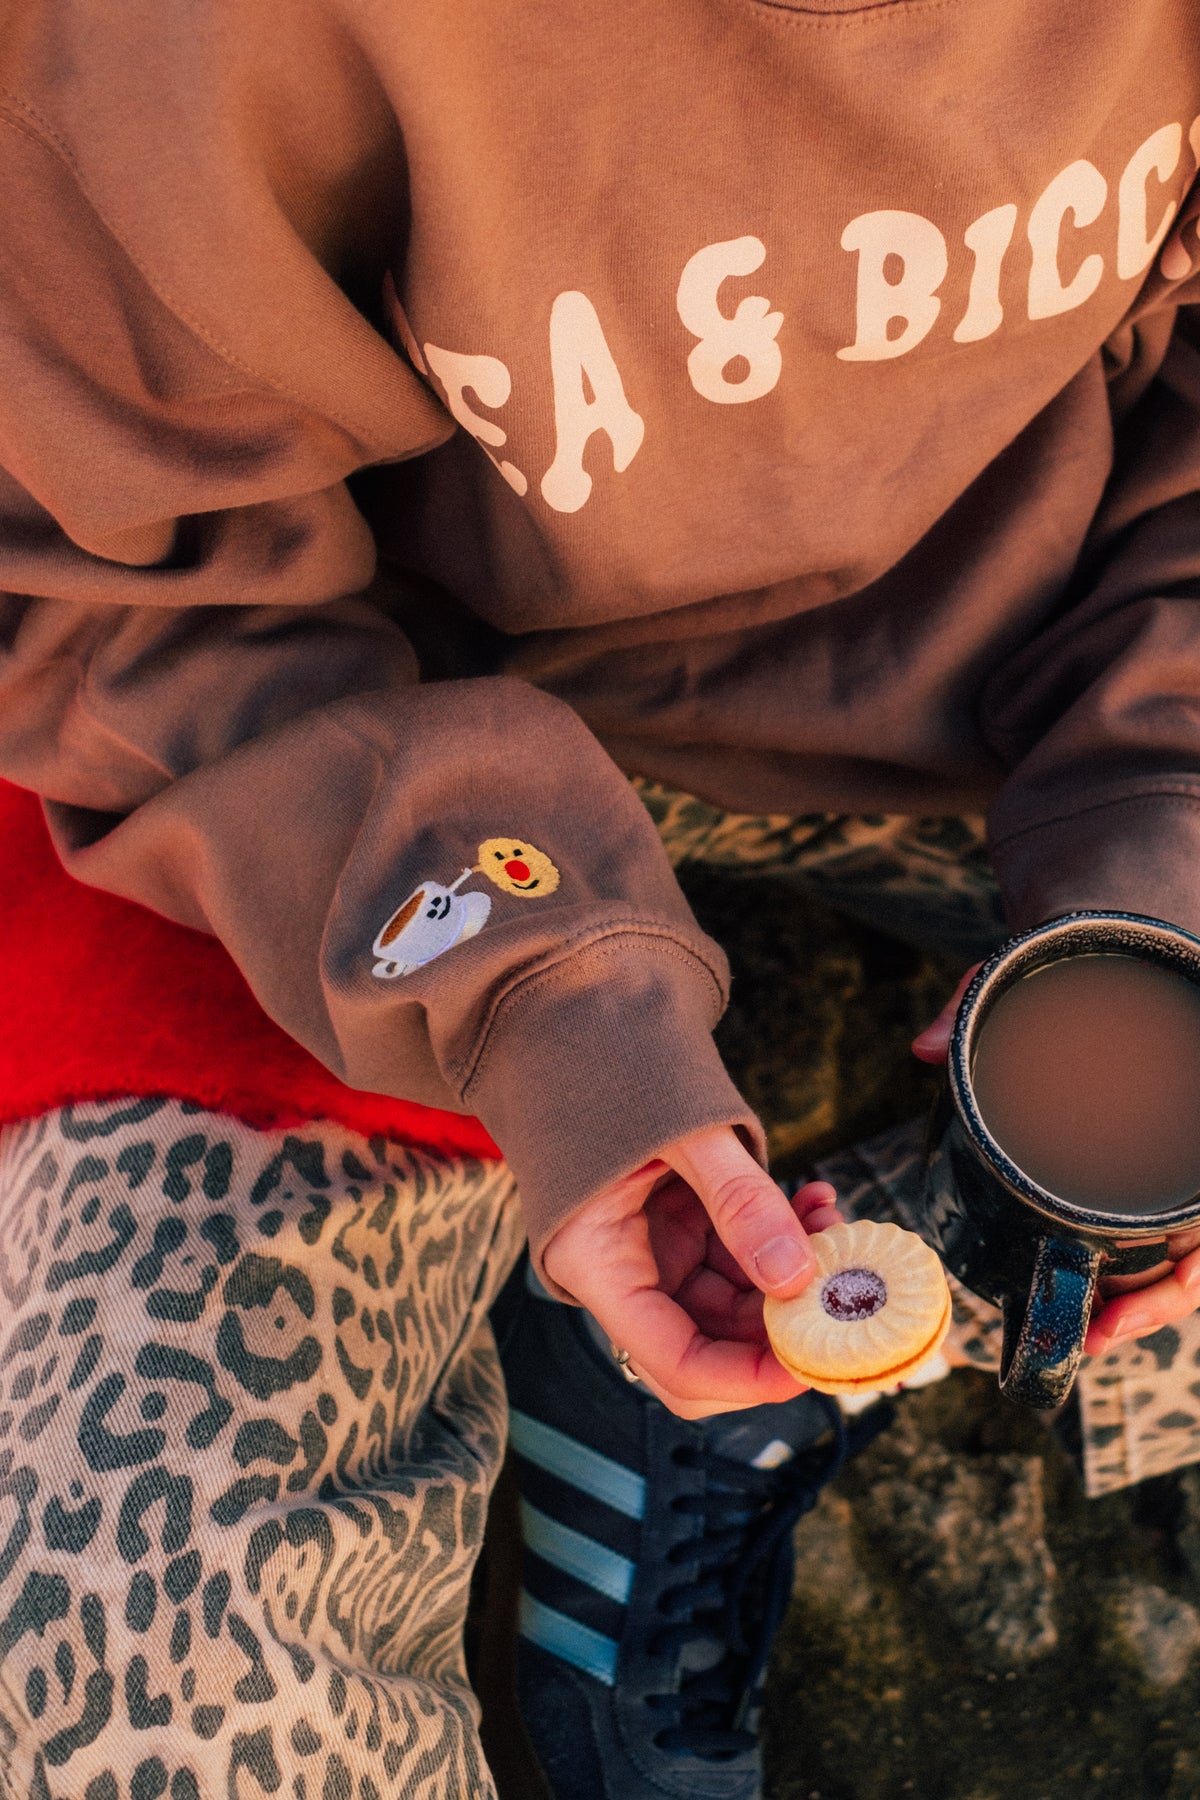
x=965 y=1625
x=827 y=1559
x=1161 y=1631
x=969 y=1538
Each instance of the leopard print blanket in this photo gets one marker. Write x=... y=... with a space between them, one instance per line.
x=250 y=1413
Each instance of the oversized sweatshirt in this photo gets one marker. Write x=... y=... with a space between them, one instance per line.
x=416 y=415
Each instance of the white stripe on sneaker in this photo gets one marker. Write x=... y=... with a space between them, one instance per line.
x=574 y=1463
x=594 y=1564
x=567 y=1639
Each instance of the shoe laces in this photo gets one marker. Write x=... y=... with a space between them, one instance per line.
x=732 y=1602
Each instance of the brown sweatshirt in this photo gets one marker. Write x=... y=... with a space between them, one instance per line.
x=416 y=413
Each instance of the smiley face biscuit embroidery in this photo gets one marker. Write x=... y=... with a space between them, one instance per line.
x=877 y=1308
x=517 y=867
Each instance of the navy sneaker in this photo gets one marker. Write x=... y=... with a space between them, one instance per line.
x=657 y=1561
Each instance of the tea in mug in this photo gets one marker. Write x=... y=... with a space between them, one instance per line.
x=1087 y=1074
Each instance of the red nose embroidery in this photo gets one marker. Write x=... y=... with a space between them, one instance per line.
x=517 y=871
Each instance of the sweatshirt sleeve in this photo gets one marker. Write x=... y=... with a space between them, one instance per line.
x=1098 y=717
x=445 y=890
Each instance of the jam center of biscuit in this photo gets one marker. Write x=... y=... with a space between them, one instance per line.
x=853 y=1294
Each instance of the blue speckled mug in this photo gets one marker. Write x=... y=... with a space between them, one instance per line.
x=1038 y=1257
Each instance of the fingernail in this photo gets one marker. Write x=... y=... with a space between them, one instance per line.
x=780 y=1260
x=1132 y=1327
x=1190 y=1280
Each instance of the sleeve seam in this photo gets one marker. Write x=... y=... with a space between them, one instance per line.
x=1157 y=792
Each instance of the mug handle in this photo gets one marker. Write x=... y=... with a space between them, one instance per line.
x=1043 y=1334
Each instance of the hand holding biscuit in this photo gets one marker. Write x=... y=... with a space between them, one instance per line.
x=878 y=1309
x=674 y=1260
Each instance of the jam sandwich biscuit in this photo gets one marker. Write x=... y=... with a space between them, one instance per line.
x=877 y=1308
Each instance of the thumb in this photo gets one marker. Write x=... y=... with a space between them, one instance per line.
x=933 y=1044
x=753 y=1218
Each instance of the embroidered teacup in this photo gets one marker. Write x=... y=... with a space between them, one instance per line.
x=431 y=921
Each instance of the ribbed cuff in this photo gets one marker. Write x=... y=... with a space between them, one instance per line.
x=593 y=1066
x=1136 y=852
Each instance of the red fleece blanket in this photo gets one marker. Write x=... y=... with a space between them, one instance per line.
x=99 y=997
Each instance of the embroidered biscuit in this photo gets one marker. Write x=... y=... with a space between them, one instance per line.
x=516 y=867
x=877 y=1308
